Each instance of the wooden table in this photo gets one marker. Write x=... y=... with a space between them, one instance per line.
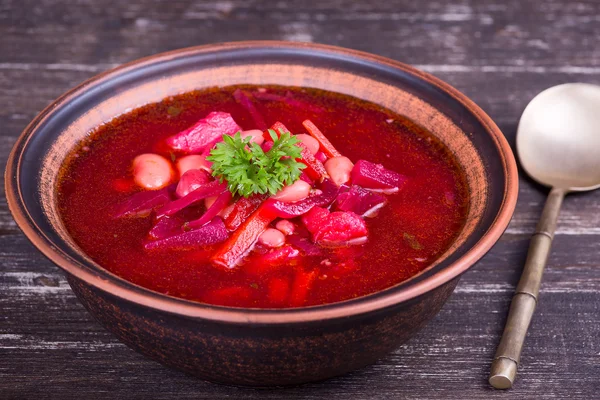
x=500 y=53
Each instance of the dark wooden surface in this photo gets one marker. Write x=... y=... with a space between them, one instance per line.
x=500 y=53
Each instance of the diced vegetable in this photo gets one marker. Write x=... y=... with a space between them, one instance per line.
x=334 y=229
x=244 y=100
x=242 y=240
x=242 y=210
x=152 y=171
x=326 y=145
x=360 y=201
x=209 y=189
x=303 y=282
x=141 y=204
x=220 y=203
x=326 y=195
x=211 y=233
x=376 y=177
x=322 y=157
x=204 y=134
x=166 y=226
x=192 y=180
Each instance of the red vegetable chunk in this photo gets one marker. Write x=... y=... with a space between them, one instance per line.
x=210 y=189
x=243 y=98
x=192 y=180
x=326 y=195
x=218 y=206
x=166 y=226
x=360 y=201
x=212 y=233
x=375 y=176
x=242 y=240
x=325 y=144
x=142 y=203
x=335 y=229
x=314 y=169
x=278 y=127
x=204 y=134
x=305 y=245
x=242 y=210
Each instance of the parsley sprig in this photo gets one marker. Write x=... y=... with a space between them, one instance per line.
x=249 y=170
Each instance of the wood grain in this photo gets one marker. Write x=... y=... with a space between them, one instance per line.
x=500 y=53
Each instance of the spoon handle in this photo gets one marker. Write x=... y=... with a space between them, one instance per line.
x=504 y=366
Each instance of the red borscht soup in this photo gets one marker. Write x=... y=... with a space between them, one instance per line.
x=262 y=197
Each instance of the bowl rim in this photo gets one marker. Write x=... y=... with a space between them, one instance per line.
x=365 y=304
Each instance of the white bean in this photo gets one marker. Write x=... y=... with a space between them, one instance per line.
x=257 y=136
x=152 y=171
x=194 y=161
x=310 y=142
x=339 y=169
x=286 y=227
x=294 y=192
x=271 y=238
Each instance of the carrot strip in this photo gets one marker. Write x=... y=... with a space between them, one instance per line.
x=326 y=145
x=278 y=127
x=242 y=209
x=242 y=240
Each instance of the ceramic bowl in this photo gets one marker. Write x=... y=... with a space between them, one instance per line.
x=253 y=346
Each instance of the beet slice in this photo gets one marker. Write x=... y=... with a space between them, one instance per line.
x=141 y=204
x=327 y=194
x=376 y=177
x=166 y=226
x=211 y=233
x=218 y=206
x=204 y=134
x=335 y=229
x=210 y=189
x=360 y=201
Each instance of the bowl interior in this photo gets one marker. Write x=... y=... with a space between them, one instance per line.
x=460 y=125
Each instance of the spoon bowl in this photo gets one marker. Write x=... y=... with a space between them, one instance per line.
x=558 y=139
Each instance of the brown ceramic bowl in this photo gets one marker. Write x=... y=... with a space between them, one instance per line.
x=254 y=346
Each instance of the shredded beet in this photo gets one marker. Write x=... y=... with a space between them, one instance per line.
x=141 y=204
x=166 y=226
x=375 y=176
x=323 y=197
x=207 y=190
x=218 y=206
x=211 y=233
x=204 y=134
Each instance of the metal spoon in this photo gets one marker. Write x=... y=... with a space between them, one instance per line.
x=558 y=142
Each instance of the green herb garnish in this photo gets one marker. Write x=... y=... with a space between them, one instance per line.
x=249 y=170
